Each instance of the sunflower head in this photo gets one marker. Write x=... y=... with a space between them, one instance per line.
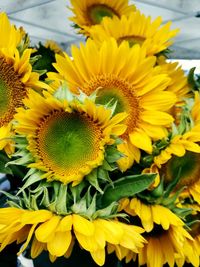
x=16 y=77
x=89 y=13
x=135 y=29
x=138 y=90
x=67 y=139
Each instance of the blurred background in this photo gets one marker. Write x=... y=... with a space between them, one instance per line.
x=48 y=20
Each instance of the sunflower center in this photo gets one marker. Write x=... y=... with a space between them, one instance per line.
x=187 y=166
x=67 y=142
x=11 y=92
x=132 y=40
x=113 y=90
x=98 y=12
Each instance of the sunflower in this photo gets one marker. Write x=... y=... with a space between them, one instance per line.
x=188 y=139
x=165 y=234
x=178 y=146
x=91 y=12
x=57 y=233
x=66 y=139
x=135 y=29
x=16 y=77
x=126 y=77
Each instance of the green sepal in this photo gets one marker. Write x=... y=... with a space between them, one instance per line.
x=77 y=190
x=107 y=166
x=158 y=191
x=92 y=178
x=45 y=199
x=41 y=72
x=172 y=185
x=112 y=154
x=127 y=186
x=24 y=44
x=103 y=175
x=63 y=93
x=35 y=177
x=106 y=212
x=171 y=200
x=191 y=78
x=34 y=59
x=3 y=161
x=61 y=206
x=26 y=159
x=182 y=212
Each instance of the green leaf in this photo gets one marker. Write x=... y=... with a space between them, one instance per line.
x=127 y=186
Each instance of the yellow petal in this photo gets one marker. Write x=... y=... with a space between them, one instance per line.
x=99 y=256
x=31 y=217
x=141 y=140
x=60 y=243
x=112 y=230
x=157 y=117
x=65 y=224
x=37 y=248
x=46 y=230
x=82 y=225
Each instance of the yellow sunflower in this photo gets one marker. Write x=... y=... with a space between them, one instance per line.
x=165 y=235
x=57 y=233
x=136 y=29
x=178 y=146
x=187 y=141
x=126 y=77
x=66 y=139
x=16 y=77
x=91 y=12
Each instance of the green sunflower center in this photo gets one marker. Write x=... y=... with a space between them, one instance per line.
x=112 y=96
x=113 y=90
x=67 y=142
x=132 y=40
x=187 y=166
x=98 y=12
x=11 y=92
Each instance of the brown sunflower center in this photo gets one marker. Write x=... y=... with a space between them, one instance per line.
x=97 y=12
x=12 y=92
x=113 y=90
x=67 y=142
x=132 y=40
x=188 y=167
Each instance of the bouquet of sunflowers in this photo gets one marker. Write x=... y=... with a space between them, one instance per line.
x=104 y=143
